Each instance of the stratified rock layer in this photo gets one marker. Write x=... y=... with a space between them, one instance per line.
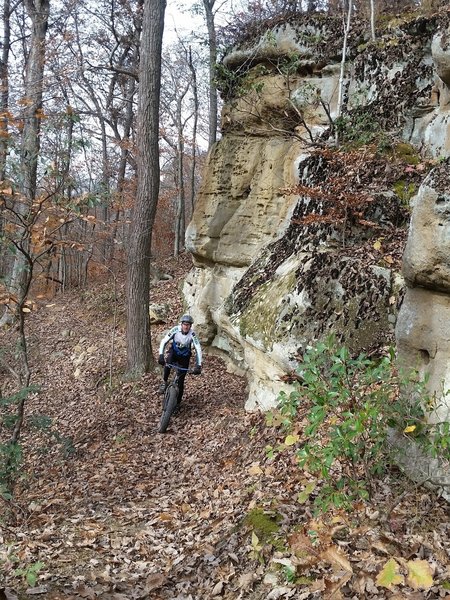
x=278 y=265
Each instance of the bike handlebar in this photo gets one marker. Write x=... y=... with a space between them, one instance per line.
x=178 y=368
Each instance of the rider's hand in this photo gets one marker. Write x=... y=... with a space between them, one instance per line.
x=197 y=370
x=161 y=360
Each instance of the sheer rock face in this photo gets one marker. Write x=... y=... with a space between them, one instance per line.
x=272 y=271
x=240 y=207
x=423 y=330
x=430 y=121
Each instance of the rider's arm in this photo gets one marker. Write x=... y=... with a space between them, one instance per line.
x=166 y=339
x=198 y=350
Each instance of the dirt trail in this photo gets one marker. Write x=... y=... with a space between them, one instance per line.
x=110 y=509
x=109 y=506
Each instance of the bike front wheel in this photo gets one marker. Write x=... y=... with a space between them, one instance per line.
x=170 y=402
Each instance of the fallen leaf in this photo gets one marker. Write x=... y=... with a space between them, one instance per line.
x=36 y=591
x=409 y=429
x=305 y=494
x=291 y=440
x=255 y=469
x=165 y=517
x=217 y=589
x=154 y=581
x=337 y=559
x=389 y=575
x=246 y=580
x=420 y=575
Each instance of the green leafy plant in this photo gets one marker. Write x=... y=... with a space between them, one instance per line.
x=30 y=573
x=10 y=462
x=358 y=129
x=10 y=451
x=347 y=403
x=237 y=83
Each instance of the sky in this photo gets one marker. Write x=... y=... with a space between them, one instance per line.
x=181 y=21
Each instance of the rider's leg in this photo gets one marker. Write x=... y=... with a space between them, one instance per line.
x=162 y=387
x=184 y=363
x=181 y=386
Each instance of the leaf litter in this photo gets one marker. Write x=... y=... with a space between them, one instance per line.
x=110 y=509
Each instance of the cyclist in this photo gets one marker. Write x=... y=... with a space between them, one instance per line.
x=183 y=340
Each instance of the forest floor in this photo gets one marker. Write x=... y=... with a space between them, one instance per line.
x=108 y=508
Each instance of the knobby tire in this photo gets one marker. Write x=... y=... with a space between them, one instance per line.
x=169 y=406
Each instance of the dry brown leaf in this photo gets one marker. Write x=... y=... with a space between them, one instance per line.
x=165 y=516
x=301 y=545
x=154 y=581
x=217 y=589
x=333 y=588
x=246 y=580
x=337 y=558
x=255 y=469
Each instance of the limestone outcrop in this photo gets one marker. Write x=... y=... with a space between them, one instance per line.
x=423 y=331
x=291 y=241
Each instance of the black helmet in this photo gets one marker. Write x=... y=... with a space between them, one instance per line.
x=187 y=319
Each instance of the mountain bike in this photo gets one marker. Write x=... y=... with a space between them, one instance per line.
x=170 y=397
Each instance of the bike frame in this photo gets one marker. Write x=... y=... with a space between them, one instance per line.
x=170 y=396
x=174 y=377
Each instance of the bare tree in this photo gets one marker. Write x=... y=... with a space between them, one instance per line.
x=194 y=126
x=212 y=45
x=4 y=83
x=139 y=351
x=179 y=106
x=346 y=24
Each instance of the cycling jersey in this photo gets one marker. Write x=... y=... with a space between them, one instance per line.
x=182 y=344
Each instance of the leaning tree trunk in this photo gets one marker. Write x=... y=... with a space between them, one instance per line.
x=340 y=100
x=139 y=351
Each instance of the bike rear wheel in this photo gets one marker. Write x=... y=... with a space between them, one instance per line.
x=170 y=402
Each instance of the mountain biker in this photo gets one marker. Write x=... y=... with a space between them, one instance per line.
x=183 y=340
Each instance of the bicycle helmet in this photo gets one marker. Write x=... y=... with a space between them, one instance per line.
x=187 y=319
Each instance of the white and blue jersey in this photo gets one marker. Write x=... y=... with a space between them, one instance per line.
x=182 y=344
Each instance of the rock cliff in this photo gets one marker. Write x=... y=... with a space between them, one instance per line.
x=293 y=238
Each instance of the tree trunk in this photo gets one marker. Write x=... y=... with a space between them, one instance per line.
x=180 y=215
x=372 y=19
x=124 y=159
x=194 y=128
x=4 y=105
x=212 y=42
x=347 y=24
x=4 y=83
x=139 y=351
x=38 y=13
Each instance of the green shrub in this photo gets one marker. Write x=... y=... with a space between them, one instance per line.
x=359 y=129
x=341 y=409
